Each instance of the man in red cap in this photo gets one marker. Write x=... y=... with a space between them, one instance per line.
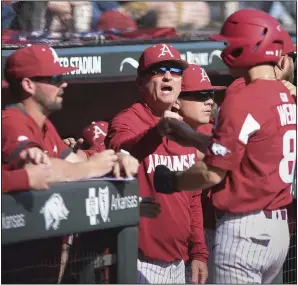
x=35 y=79
x=194 y=104
x=251 y=156
x=163 y=242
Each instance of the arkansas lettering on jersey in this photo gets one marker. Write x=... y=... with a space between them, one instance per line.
x=174 y=163
x=255 y=141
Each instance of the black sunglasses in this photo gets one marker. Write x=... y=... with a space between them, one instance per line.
x=54 y=80
x=200 y=96
x=293 y=55
x=175 y=71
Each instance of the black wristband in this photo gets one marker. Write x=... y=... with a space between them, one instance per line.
x=165 y=180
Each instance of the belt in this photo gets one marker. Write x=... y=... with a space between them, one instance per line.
x=269 y=214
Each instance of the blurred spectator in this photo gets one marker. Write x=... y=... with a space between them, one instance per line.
x=70 y=16
x=180 y=15
x=29 y=16
x=279 y=11
x=116 y=20
x=7 y=14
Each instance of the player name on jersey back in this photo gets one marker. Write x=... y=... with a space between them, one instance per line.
x=287 y=114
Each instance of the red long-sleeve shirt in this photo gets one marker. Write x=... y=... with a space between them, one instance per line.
x=14 y=180
x=166 y=237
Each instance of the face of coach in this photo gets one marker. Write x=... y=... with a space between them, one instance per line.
x=159 y=79
x=34 y=75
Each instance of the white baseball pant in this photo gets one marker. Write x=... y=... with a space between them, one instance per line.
x=158 y=272
x=250 y=248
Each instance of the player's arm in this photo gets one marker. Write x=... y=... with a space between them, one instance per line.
x=183 y=134
x=225 y=152
x=121 y=136
x=198 y=248
x=200 y=175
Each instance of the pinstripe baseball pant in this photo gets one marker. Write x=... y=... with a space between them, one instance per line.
x=209 y=239
x=250 y=248
x=158 y=272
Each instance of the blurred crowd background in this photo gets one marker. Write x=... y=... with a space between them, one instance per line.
x=100 y=16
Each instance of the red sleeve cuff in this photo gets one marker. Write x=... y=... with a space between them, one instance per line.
x=15 y=180
x=199 y=252
x=199 y=257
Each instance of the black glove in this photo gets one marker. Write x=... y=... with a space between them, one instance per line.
x=164 y=180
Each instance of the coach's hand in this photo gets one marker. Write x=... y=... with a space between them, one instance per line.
x=126 y=165
x=75 y=145
x=35 y=155
x=102 y=163
x=38 y=176
x=199 y=271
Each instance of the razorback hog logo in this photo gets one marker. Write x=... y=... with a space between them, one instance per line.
x=54 y=211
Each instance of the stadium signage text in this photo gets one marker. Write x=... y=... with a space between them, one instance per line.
x=84 y=64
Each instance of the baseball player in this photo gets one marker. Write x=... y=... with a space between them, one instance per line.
x=251 y=157
x=163 y=242
x=194 y=104
x=35 y=78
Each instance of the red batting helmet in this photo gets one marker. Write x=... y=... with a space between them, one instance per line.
x=253 y=36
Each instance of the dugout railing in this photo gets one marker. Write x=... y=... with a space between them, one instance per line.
x=102 y=217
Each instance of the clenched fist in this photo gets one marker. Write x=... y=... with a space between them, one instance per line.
x=163 y=124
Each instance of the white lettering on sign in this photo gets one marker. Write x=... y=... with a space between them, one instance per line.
x=84 y=64
x=121 y=203
x=100 y=205
x=199 y=58
x=13 y=221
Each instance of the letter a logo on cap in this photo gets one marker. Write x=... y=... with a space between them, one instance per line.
x=97 y=131
x=55 y=55
x=165 y=50
x=204 y=75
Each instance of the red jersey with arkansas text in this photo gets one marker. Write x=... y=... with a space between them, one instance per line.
x=164 y=238
x=255 y=141
x=20 y=131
